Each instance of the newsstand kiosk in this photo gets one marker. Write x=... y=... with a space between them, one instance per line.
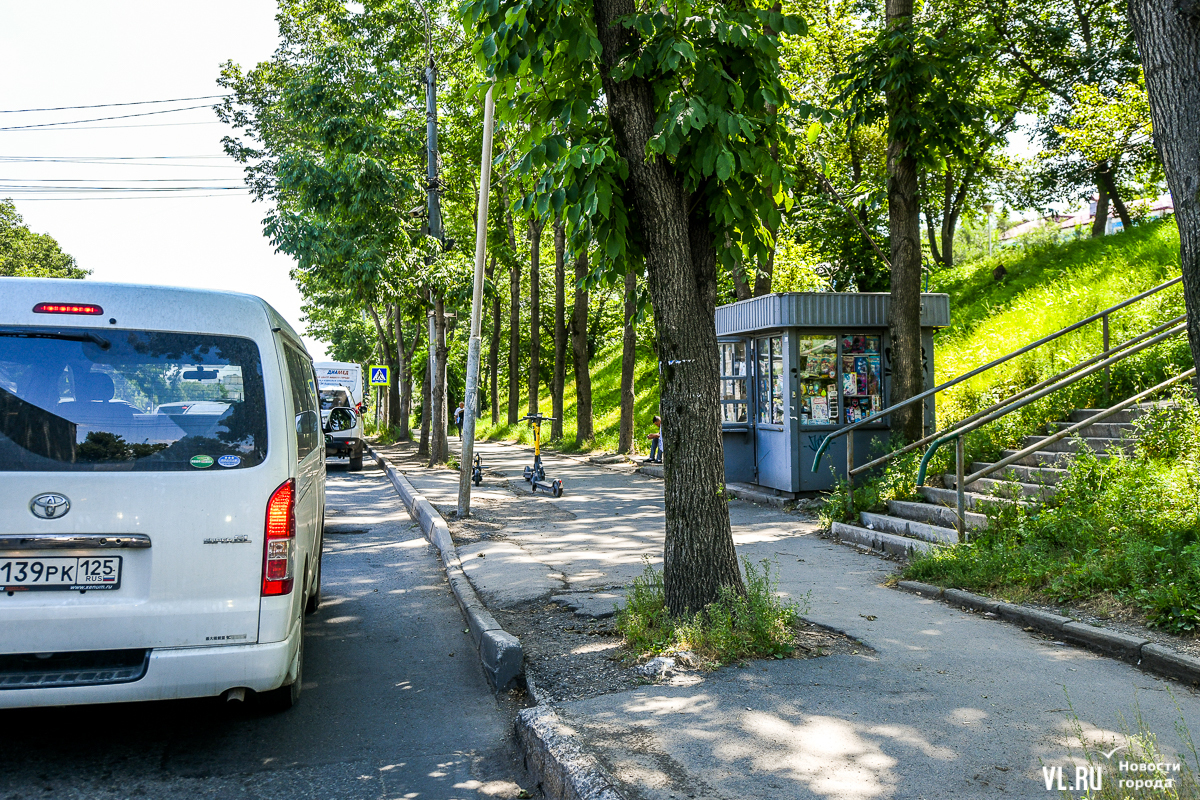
x=795 y=367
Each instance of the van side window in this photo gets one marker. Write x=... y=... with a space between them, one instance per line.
x=304 y=398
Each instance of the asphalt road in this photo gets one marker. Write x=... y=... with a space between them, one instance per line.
x=394 y=702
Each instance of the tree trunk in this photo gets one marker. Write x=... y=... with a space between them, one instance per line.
x=579 y=353
x=514 y=341
x=389 y=358
x=904 y=225
x=535 y=311
x=741 y=283
x=699 y=557
x=404 y=376
x=423 y=445
x=439 y=448
x=1100 y=220
x=1106 y=180
x=628 y=362
x=1168 y=36
x=494 y=346
x=560 y=330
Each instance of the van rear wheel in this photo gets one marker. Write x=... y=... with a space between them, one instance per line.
x=356 y=463
x=283 y=698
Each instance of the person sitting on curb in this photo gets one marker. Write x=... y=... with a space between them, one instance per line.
x=656 y=443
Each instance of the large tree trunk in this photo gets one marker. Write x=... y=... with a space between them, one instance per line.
x=560 y=330
x=514 y=338
x=699 y=557
x=494 y=346
x=1100 y=219
x=535 y=311
x=405 y=376
x=579 y=353
x=628 y=362
x=1168 y=35
x=904 y=225
x=439 y=447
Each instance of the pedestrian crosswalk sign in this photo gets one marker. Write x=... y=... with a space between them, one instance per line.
x=380 y=376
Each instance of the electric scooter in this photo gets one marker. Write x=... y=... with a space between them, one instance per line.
x=536 y=475
x=477 y=470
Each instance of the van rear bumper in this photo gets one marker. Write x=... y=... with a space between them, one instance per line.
x=174 y=674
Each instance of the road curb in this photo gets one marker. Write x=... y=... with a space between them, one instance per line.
x=499 y=651
x=553 y=756
x=1140 y=652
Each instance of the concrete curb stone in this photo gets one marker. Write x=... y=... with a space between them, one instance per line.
x=1140 y=652
x=500 y=652
x=552 y=755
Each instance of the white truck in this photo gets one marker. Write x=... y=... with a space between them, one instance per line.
x=343 y=404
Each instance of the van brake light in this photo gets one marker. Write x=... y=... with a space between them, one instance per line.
x=67 y=308
x=279 y=549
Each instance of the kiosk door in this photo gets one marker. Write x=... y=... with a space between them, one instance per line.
x=771 y=424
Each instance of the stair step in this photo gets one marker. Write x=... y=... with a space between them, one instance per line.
x=1096 y=444
x=1128 y=415
x=1037 y=475
x=909 y=527
x=1045 y=459
x=881 y=540
x=1106 y=429
x=933 y=514
x=975 y=501
x=1002 y=488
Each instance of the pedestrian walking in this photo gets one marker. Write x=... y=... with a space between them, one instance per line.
x=458 y=417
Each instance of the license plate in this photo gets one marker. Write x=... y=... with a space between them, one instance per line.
x=57 y=573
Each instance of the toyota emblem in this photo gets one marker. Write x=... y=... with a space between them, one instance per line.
x=50 y=506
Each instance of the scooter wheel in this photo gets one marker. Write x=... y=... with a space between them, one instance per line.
x=477 y=479
x=556 y=488
x=529 y=474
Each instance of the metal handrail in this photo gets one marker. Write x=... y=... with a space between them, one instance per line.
x=874 y=418
x=992 y=417
x=986 y=415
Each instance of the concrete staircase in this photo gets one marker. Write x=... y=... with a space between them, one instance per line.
x=911 y=527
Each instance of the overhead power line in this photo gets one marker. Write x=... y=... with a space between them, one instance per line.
x=111 y=105
x=100 y=119
x=106 y=127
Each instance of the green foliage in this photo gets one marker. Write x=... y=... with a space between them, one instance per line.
x=898 y=481
x=25 y=254
x=758 y=624
x=1126 y=527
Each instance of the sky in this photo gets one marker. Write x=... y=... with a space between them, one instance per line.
x=82 y=52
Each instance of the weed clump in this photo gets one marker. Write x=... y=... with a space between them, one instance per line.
x=757 y=625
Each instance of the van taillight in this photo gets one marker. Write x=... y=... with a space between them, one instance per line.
x=280 y=548
x=67 y=308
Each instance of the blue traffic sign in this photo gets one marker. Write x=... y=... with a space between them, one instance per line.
x=380 y=375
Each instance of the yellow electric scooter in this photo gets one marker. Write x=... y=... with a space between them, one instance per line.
x=536 y=475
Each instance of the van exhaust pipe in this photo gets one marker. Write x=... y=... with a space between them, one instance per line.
x=237 y=695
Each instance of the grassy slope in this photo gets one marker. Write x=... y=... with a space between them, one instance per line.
x=606 y=405
x=1046 y=290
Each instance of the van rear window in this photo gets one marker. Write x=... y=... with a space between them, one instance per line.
x=88 y=399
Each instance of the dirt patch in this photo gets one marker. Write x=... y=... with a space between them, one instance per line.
x=570 y=657
x=1108 y=612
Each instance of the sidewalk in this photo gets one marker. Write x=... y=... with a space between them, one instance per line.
x=943 y=704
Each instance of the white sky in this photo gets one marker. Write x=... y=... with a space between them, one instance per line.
x=80 y=52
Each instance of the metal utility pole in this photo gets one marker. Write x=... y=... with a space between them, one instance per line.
x=435 y=227
x=473 y=345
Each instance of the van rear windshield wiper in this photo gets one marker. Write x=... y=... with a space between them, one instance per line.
x=81 y=336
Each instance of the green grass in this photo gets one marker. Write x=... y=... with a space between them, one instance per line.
x=606 y=406
x=757 y=625
x=1046 y=289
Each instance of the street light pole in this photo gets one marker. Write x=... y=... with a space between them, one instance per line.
x=473 y=345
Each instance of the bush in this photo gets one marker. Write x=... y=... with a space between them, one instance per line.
x=756 y=625
x=898 y=481
x=1125 y=527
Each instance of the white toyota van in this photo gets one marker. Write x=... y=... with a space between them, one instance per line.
x=162 y=495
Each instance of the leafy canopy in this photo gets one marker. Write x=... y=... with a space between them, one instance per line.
x=25 y=254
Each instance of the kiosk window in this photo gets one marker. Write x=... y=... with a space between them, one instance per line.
x=861 y=385
x=770 y=381
x=816 y=368
x=734 y=401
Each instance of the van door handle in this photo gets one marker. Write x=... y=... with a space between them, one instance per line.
x=73 y=541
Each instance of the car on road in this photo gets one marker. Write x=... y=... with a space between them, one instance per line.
x=341 y=419
x=163 y=500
